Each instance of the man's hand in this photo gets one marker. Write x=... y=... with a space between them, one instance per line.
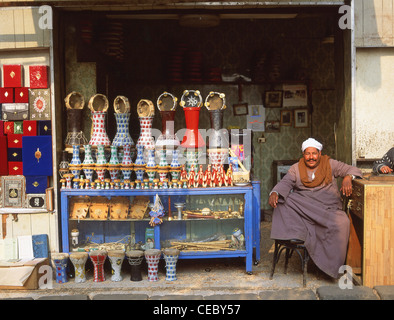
x=347 y=186
x=385 y=169
x=273 y=199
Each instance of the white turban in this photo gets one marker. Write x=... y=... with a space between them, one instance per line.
x=311 y=143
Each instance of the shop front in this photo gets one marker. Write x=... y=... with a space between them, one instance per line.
x=168 y=125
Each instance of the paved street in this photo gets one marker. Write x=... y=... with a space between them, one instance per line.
x=211 y=279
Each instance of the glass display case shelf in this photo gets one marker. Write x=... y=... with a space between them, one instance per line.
x=225 y=202
x=145 y=219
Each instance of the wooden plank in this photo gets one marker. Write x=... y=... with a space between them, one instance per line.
x=370 y=29
x=359 y=24
x=39 y=31
x=381 y=177
x=379 y=239
x=353 y=258
x=387 y=22
x=7 y=34
x=33 y=34
x=4 y=225
x=40 y=224
x=53 y=232
x=21 y=227
x=19 y=28
x=374 y=23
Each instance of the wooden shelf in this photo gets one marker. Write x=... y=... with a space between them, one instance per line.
x=22 y=210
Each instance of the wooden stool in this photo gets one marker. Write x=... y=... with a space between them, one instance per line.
x=290 y=246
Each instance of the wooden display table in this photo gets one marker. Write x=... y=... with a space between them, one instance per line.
x=371 y=242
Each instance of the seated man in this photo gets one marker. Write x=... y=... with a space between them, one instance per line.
x=307 y=206
x=386 y=164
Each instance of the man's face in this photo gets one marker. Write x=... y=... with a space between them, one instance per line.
x=312 y=157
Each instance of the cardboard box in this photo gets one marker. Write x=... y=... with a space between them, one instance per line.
x=10 y=272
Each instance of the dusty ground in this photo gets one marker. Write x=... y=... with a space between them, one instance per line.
x=201 y=276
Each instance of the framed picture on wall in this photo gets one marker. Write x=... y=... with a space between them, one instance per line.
x=295 y=95
x=286 y=117
x=301 y=118
x=240 y=109
x=272 y=126
x=273 y=99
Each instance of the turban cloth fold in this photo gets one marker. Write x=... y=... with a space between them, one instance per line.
x=311 y=143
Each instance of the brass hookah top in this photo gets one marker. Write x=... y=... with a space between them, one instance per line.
x=98 y=103
x=121 y=104
x=74 y=100
x=145 y=108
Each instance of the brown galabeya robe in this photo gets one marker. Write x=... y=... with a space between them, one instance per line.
x=315 y=216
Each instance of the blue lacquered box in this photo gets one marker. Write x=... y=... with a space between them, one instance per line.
x=44 y=128
x=37 y=155
x=14 y=154
x=36 y=184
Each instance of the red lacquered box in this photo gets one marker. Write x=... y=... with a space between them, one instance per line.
x=21 y=95
x=15 y=168
x=6 y=95
x=38 y=77
x=29 y=128
x=8 y=127
x=3 y=156
x=14 y=140
x=12 y=76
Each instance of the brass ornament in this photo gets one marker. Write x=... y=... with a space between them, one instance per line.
x=38 y=154
x=98 y=103
x=74 y=100
x=145 y=108
x=121 y=104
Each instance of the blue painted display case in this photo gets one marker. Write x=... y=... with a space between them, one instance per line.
x=104 y=231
